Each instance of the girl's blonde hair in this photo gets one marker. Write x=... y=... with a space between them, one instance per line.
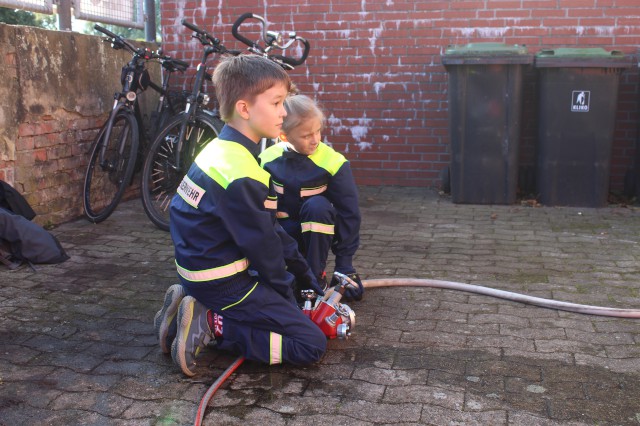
x=300 y=108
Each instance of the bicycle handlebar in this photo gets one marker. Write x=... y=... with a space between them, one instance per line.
x=239 y=21
x=271 y=41
x=169 y=63
x=202 y=35
x=295 y=62
x=105 y=31
x=117 y=41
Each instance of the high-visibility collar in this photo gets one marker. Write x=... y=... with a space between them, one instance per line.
x=214 y=273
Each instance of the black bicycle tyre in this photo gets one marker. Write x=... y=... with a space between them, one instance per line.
x=160 y=179
x=103 y=189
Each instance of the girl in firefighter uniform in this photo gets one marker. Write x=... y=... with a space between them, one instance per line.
x=317 y=195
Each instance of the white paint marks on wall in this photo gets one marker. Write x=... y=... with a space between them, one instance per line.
x=375 y=34
x=359 y=132
x=488 y=32
x=359 y=128
x=377 y=86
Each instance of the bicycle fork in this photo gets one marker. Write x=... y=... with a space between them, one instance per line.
x=112 y=165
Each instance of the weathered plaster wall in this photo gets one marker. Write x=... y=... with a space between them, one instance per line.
x=57 y=90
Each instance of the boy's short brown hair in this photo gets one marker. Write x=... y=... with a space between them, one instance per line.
x=245 y=77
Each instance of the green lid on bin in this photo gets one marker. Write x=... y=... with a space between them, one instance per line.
x=486 y=53
x=584 y=57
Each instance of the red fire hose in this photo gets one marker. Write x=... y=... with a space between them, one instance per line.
x=449 y=285
x=214 y=387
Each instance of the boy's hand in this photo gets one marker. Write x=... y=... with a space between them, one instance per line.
x=309 y=282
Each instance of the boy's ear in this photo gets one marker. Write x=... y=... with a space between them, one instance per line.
x=242 y=109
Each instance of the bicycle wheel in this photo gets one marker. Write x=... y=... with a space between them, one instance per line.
x=160 y=176
x=107 y=177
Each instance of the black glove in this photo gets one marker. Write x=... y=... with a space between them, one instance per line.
x=307 y=281
x=351 y=294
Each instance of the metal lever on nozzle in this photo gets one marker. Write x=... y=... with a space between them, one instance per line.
x=345 y=281
x=308 y=296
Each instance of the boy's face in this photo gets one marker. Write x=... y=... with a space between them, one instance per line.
x=306 y=136
x=266 y=113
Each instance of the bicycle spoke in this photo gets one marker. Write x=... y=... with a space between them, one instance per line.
x=161 y=175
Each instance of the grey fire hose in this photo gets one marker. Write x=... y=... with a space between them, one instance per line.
x=448 y=285
x=487 y=291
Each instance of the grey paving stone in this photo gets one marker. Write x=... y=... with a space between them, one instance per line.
x=77 y=344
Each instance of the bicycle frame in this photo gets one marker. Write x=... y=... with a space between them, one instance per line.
x=121 y=100
x=197 y=99
x=128 y=96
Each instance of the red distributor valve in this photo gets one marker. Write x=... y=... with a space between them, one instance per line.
x=335 y=319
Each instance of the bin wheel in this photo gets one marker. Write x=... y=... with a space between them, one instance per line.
x=630 y=183
x=445 y=180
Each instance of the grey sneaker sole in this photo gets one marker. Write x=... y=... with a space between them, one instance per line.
x=179 y=346
x=164 y=317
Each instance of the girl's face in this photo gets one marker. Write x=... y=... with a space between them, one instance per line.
x=305 y=138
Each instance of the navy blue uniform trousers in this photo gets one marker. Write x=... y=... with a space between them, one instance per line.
x=314 y=246
x=260 y=324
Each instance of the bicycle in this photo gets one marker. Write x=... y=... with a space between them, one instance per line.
x=115 y=150
x=183 y=136
x=177 y=145
x=272 y=39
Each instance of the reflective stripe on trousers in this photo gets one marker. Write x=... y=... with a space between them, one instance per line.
x=275 y=348
x=321 y=228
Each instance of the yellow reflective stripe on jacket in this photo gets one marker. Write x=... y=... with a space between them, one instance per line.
x=272 y=153
x=308 y=192
x=225 y=161
x=327 y=158
x=282 y=215
x=213 y=273
x=275 y=348
x=320 y=228
x=279 y=188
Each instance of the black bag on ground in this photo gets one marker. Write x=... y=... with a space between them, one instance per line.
x=28 y=241
x=12 y=200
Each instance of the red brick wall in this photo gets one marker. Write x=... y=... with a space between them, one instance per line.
x=375 y=65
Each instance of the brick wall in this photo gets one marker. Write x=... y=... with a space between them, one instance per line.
x=375 y=65
x=56 y=90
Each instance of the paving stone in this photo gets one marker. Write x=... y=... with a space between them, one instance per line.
x=77 y=345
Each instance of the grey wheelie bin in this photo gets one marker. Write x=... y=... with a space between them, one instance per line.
x=485 y=104
x=578 y=97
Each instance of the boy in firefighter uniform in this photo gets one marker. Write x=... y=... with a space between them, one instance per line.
x=317 y=195
x=237 y=266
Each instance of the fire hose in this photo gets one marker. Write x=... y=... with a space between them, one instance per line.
x=447 y=285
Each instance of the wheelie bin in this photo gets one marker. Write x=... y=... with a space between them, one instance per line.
x=578 y=97
x=485 y=104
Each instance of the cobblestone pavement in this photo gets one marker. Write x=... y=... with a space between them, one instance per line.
x=77 y=344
